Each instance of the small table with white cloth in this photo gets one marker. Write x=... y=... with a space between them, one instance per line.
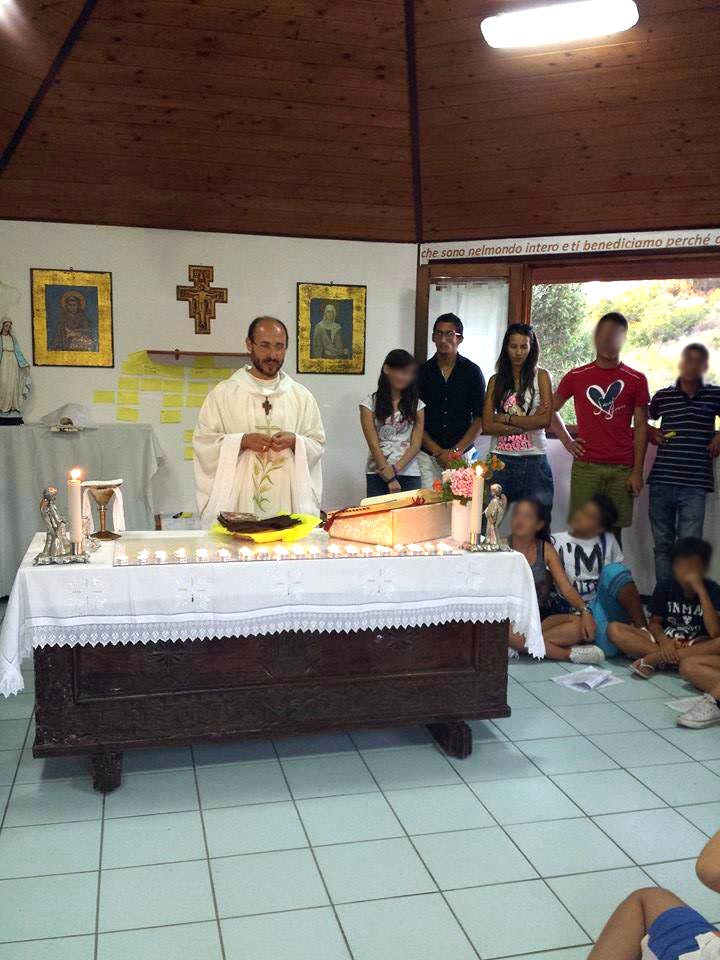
x=137 y=656
x=32 y=457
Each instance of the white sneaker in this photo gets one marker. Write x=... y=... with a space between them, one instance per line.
x=586 y=653
x=704 y=713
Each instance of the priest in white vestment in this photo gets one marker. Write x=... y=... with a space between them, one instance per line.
x=259 y=438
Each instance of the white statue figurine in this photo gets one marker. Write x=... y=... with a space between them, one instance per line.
x=14 y=375
x=494 y=512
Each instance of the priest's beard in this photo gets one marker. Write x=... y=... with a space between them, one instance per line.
x=268 y=367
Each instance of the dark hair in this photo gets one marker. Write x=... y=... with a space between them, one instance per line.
x=542 y=514
x=449 y=318
x=607 y=509
x=698 y=348
x=505 y=378
x=257 y=320
x=613 y=317
x=692 y=547
x=396 y=360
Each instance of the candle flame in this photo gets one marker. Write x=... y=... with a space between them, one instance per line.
x=481 y=470
x=75 y=474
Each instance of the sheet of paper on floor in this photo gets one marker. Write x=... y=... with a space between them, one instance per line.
x=588 y=679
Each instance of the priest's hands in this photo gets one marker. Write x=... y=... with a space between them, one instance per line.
x=257 y=442
x=282 y=441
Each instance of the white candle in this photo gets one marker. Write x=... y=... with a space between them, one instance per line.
x=143 y=556
x=74 y=495
x=368 y=551
x=314 y=551
x=180 y=555
x=299 y=552
x=223 y=554
x=444 y=548
x=202 y=554
x=399 y=548
x=429 y=548
x=476 y=504
x=160 y=556
x=280 y=553
x=262 y=553
x=334 y=550
x=121 y=558
x=245 y=553
x=351 y=551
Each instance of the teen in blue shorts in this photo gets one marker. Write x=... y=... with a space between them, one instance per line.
x=655 y=924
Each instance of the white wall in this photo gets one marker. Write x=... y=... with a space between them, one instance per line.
x=261 y=274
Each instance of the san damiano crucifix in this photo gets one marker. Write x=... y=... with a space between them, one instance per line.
x=202 y=297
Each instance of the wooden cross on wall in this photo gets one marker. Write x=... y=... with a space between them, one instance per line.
x=201 y=297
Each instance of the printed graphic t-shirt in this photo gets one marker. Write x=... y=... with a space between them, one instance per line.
x=682 y=617
x=584 y=559
x=394 y=436
x=604 y=402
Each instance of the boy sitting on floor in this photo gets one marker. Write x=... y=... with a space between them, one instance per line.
x=594 y=565
x=660 y=925
x=684 y=623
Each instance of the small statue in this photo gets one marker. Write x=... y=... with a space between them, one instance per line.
x=57 y=546
x=14 y=375
x=495 y=511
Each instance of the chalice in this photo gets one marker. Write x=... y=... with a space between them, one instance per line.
x=102 y=494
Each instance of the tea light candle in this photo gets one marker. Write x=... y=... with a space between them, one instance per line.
x=414 y=548
x=180 y=554
x=202 y=554
x=367 y=551
x=160 y=556
x=262 y=553
x=299 y=552
x=429 y=548
x=400 y=549
x=351 y=551
x=143 y=556
x=334 y=550
x=314 y=551
x=224 y=554
x=245 y=553
x=121 y=558
x=382 y=551
x=444 y=548
x=74 y=495
x=280 y=553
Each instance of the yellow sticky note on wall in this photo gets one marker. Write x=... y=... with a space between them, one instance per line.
x=221 y=373
x=192 y=400
x=127 y=413
x=188 y=453
x=174 y=372
x=172 y=386
x=170 y=416
x=103 y=396
x=199 y=389
x=172 y=400
x=187 y=436
x=128 y=383
x=128 y=396
x=201 y=373
x=150 y=383
x=138 y=362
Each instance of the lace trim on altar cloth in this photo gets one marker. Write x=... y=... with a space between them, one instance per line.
x=339 y=621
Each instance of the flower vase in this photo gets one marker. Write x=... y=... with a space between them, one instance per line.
x=460 y=522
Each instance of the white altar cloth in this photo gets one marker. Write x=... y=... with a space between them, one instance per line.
x=100 y=604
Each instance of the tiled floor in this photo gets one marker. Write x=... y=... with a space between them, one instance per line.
x=370 y=846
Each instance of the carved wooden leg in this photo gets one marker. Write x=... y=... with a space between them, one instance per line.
x=107 y=771
x=454 y=736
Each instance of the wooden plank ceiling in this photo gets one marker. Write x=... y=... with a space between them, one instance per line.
x=615 y=134
x=294 y=117
x=259 y=116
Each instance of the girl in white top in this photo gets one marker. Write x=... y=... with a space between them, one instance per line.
x=518 y=408
x=392 y=421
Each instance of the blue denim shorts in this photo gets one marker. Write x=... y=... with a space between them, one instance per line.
x=680 y=932
x=526 y=476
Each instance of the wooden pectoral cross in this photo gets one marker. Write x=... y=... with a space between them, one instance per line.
x=201 y=297
x=267 y=406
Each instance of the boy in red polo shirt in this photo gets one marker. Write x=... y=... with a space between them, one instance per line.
x=611 y=401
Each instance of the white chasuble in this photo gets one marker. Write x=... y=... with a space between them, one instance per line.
x=228 y=478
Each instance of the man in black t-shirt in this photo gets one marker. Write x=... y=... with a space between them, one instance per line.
x=453 y=390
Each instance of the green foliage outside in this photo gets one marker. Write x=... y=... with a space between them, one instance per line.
x=664 y=316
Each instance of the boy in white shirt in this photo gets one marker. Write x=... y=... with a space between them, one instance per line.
x=594 y=565
x=660 y=925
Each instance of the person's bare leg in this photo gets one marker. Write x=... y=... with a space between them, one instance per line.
x=703 y=672
x=630 y=600
x=560 y=632
x=631 y=640
x=516 y=641
x=623 y=933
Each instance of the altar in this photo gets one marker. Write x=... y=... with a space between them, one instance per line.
x=154 y=653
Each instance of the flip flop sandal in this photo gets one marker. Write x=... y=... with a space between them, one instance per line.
x=642 y=669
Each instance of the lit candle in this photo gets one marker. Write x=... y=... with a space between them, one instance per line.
x=280 y=553
x=334 y=550
x=414 y=548
x=160 y=556
x=367 y=551
x=476 y=504
x=245 y=553
x=351 y=551
x=262 y=553
x=224 y=554
x=180 y=555
x=382 y=551
x=444 y=548
x=202 y=554
x=314 y=551
x=429 y=548
x=399 y=548
x=299 y=552
x=121 y=558
x=74 y=495
x=143 y=556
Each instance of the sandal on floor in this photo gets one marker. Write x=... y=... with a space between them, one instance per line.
x=642 y=669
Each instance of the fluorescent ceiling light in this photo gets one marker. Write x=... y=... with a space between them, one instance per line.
x=559 y=23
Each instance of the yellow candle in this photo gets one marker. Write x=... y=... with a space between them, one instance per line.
x=74 y=495
x=476 y=504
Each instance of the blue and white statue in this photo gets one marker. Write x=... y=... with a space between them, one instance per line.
x=14 y=375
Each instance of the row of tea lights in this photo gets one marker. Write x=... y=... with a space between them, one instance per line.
x=296 y=552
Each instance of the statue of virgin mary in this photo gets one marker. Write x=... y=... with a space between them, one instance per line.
x=14 y=375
